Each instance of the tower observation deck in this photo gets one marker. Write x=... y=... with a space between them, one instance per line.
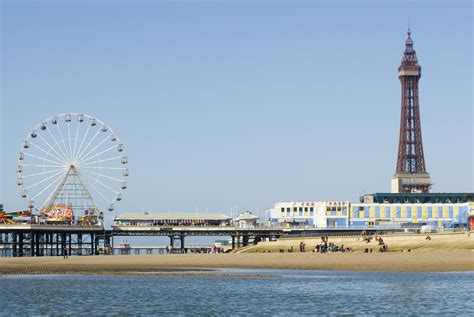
x=411 y=175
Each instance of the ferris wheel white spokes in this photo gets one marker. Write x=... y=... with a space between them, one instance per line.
x=72 y=162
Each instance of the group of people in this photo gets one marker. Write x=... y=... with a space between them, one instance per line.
x=291 y=250
x=323 y=247
x=326 y=246
x=383 y=247
x=213 y=249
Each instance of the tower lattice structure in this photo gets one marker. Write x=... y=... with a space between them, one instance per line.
x=411 y=175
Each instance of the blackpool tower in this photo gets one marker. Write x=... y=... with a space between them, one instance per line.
x=411 y=175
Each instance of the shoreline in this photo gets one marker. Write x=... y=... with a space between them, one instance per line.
x=199 y=264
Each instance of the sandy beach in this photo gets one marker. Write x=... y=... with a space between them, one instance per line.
x=435 y=261
x=396 y=243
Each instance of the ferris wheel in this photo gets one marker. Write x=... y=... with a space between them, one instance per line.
x=73 y=165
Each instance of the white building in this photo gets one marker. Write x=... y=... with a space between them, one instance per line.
x=318 y=214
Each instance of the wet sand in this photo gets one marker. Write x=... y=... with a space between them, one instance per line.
x=434 y=261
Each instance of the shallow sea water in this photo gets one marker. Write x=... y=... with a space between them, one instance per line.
x=287 y=292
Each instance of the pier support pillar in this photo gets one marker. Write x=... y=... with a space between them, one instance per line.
x=107 y=247
x=181 y=238
x=233 y=242
x=20 y=244
x=79 y=243
x=97 y=244
x=57 y=244
x=245 y=240
x=63 y=244
x=39 y=244
x=32 y=244
x=70 y=245
x=15 y=245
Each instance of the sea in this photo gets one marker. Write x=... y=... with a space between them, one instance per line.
x=258 y=293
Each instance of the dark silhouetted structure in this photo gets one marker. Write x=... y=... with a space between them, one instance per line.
x=411 y=175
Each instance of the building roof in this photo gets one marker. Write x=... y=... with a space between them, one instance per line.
x=141 y=216
x=418 y=198
x=246 y=216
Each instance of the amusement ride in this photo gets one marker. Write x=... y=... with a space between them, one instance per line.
x=72 y=167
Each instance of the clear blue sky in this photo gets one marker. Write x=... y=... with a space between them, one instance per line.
x=242 y=103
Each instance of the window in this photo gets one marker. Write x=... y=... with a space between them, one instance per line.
x=282 y=209
x=301 y=209
x=311 y=209
x=305 y=209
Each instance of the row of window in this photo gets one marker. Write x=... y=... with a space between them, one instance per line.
x=409 y=212
x=296 y=209
x=337 y=213
x=339 y=208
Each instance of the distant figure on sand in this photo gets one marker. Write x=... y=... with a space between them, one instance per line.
x=302 y=246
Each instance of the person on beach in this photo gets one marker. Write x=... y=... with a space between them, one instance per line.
x=65 y=255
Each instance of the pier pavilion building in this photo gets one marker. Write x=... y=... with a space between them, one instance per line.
x=149 y=219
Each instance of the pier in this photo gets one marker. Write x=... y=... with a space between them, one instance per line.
x=22 y=240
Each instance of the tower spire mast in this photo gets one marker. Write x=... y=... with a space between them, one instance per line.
x=411 y=175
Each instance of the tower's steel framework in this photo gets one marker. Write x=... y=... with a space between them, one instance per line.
x=411 y=175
